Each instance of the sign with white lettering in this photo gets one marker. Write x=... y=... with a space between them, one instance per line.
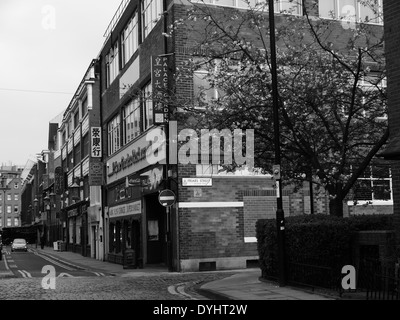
x=135 y=157
x=125 y=209
x=194 y=182
x=167 y=198
x=159 y=80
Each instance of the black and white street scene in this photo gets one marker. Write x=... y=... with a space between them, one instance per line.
x=200 y=154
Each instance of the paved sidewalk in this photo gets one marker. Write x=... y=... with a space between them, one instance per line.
x=247 y=286
x=243 y=285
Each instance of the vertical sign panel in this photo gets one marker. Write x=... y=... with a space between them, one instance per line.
x=95 y=142
x=160 y=80
x=95 y=163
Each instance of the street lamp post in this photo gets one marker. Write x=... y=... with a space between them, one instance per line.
x=280 y=216
x=35 y=205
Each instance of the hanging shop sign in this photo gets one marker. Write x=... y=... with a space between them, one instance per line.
x=95 y=142
x=160 y=78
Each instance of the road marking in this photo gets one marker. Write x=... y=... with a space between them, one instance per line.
x=55 y=262
x=99 y=274
x=179 y=289
x=12 y=265
x=25 y=273
x=64 y=274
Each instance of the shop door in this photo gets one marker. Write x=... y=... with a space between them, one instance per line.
x=155 y=220
x=94 y=241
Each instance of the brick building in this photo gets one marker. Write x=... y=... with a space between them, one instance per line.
x=391 y=9
x=211 y=223
x=99 y=193
x=10 y=196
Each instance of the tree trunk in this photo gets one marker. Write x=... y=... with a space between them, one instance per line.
x=336 y=207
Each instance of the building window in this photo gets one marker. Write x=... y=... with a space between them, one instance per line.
x=16 y=185
x=151 y=13
x=9 y=209
x=9 y=197
x=84 y=106
x=130 y=39
x=290 y=7
x=16 y=209
x=76 y=119
x=112 y=64
x=351 y=10
x=77 y=153
x=1 y=222
x=114 y=135
x=16 y=222
x=374 y=186
x=202 y=88
x=85 y=146
x=147 y=106
x=8 y=222
x=280 y=6
x=16 y=197
x=1 y=209
x=112 y=237
x=131 y=121
x=71 y=230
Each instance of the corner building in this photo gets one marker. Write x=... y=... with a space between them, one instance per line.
x=211 y=224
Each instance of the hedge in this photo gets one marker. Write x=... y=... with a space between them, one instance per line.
x=321 y=240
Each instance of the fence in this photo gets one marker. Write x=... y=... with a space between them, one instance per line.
x=314 y=275
x=382 y=282
x=374 y=280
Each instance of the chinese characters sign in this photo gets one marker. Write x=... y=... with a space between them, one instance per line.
x=160 y=79
x=95 y=147
x=95 y=163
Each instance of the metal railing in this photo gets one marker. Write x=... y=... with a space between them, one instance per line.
x=382 y=282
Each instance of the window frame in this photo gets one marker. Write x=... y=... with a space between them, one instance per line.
x=131 y=121
x=147 y=106
x=371 y=178
x=112 y=64
x=130 y=41
x=151 y=15
x=358 y=19
x=114 y=135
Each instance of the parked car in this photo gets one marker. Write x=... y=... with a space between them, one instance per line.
x=19 y=245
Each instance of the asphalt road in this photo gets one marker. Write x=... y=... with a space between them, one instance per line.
x=34 y=265
x=23 y=276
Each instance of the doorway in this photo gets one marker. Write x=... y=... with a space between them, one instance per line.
x=156 y=235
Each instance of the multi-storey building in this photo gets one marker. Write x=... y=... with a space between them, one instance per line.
x=106 y=170
x=75 y=171
x=211 y=224
x=10 y=196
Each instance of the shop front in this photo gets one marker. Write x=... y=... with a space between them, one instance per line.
x=124 y=227
x=77 y=228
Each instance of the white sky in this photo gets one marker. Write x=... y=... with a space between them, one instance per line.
x=45 y=46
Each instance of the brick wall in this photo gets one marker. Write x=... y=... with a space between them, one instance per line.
x=391 y=13
x=211 y=231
